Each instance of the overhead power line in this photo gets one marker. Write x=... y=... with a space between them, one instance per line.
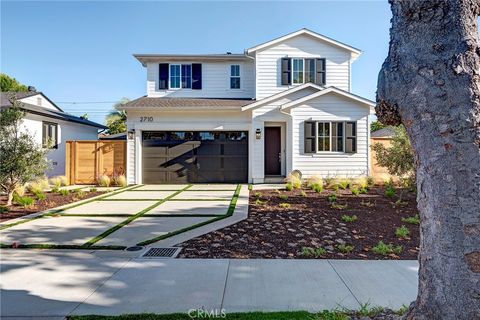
x=84 y=102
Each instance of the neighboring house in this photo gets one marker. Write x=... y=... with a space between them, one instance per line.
x=51 y=126
x=253 y=117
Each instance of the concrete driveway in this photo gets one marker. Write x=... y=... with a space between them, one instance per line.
x=129 y=216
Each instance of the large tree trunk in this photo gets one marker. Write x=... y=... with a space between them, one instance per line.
x=431 y=83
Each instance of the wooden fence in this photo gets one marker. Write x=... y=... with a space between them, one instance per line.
x=380 y=174
x=87 y=160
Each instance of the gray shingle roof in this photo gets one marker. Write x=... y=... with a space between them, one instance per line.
x=386 y=132
x=149 y=102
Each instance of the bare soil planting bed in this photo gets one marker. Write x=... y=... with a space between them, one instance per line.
x=273 y=231
x=52 y=200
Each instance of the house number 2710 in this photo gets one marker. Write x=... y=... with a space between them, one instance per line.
x=146 y=119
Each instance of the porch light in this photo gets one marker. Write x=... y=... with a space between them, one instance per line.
x=131 y=134
x=258 y=133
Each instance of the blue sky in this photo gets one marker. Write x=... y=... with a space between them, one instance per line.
x=82 y=51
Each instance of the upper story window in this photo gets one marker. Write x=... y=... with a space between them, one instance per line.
x=235 y=76
x=300 y=70
x=177 y=76
x=50 y=135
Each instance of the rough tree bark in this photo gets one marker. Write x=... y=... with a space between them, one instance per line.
x=430 y=82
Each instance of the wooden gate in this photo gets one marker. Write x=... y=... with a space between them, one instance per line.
x=87 y=160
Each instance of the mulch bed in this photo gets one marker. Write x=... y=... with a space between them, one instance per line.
x=271 y=231
x=53 y=200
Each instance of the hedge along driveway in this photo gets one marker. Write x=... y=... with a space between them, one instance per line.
x=159 y=224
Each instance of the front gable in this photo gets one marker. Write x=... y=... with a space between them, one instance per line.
x=40 y=100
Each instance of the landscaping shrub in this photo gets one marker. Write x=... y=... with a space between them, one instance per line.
x=303 y=194
x=315 y=183
x=24 y=201
x=35 y=187
x=370 y=181
x=63 y=180
x=56 y=181
x=289 y=187
x=355 y=191
x=384 y=249
x=56 y=189
x=347 y=218
x=338 y=206
x=257 y=194
x=64 y=192
x=294 y=180
x=412 y=220
x=311 y=252
x=104 y=181
x=285 y=205
x=20 y=190
x=40 y=195
x=81 y=193
x=332 y=198
x=345 y=248
x=283 y=196
x=402 y=232
x=390 y=191
x=362 y=183
x=120 y=181
x=4 y=209
x=344 y=183
x=93 y=189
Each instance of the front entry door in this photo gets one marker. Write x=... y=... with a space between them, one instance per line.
x=272 y=151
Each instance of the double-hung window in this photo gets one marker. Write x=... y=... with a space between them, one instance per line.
x=330 y=136
x=180 y=76
x=50 y=135
x=235 y=76
x=297 y=74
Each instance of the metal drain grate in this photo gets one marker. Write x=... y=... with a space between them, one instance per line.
x=161 y=253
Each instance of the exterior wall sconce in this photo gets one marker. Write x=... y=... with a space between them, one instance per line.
x=131 y=134
x=258 y=134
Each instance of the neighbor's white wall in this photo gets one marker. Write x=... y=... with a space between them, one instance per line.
x=331 y=107
x=39 y=100
x=66 y=131
x=178 y=121
x=215 y=81
x=268 y=63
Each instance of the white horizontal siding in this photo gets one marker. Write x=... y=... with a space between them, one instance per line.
x=38 y=100
x=330 y=108
x=131 y=161
x=215 y=81
x=268 y=64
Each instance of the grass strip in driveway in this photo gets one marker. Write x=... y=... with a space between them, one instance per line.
x=130 y=219
x=230 y=211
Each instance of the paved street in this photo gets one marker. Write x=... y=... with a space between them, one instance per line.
x=57 y=283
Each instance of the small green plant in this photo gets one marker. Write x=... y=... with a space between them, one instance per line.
x=278 y=191
x=35 y=187
x=370 y=181
x=257 y=194
x=289 y=187
x=338 y=206
x=355 y=191
x=260 y=202
x=303 y=193
x=390 y=191
x=93 y=189
x=347 y=218
x=20 y=190
x=59 y=181
x=81 y=193
x=250 y=187
x=367 y=311
x=331 y=315
x=315 y=183
x=40 y=195
x=403 y=310
x=120 y=181
x=318 y=188
x=345 y=248
x=26 y=202
x=4 y=209
x=313 y=252
x=362 y=183
x=384 y=249
x=285 y=205
x=367 y=203
x=64 y=192
x=412 y=220
x=364 y=190
x=319 y=252
x=402 y=232
x=104 y=181
x=332 y=198
x=294 y=180
x=283 y=196
x=56 y=189
x=344 y=183
x=401 y=203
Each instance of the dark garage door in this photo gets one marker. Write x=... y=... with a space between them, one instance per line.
x=195 y=156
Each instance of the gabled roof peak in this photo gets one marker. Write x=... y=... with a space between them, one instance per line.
x=304 y=31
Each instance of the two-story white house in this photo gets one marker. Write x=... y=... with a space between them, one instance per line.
x=253 y=117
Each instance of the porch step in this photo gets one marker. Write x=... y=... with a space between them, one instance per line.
x=274 y=179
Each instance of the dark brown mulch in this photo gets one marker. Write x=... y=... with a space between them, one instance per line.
x=274 y=232
x=53 y=200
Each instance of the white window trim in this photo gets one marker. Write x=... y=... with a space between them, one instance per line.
x=303 y=71
x=239 y=76
x=317 y=151
x=170 y=76
x=304 y=78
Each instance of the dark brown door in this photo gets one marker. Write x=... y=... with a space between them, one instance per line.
x=272 y=151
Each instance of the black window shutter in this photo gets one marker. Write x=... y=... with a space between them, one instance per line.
x=286 y=70
x=309 y=139
x=196 y=76
x=321 y=72
x=351 y=137
x=163 y=76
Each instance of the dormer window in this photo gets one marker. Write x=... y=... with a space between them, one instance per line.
x=300 y=70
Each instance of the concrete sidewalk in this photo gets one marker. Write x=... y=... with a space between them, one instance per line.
x=58 y=283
